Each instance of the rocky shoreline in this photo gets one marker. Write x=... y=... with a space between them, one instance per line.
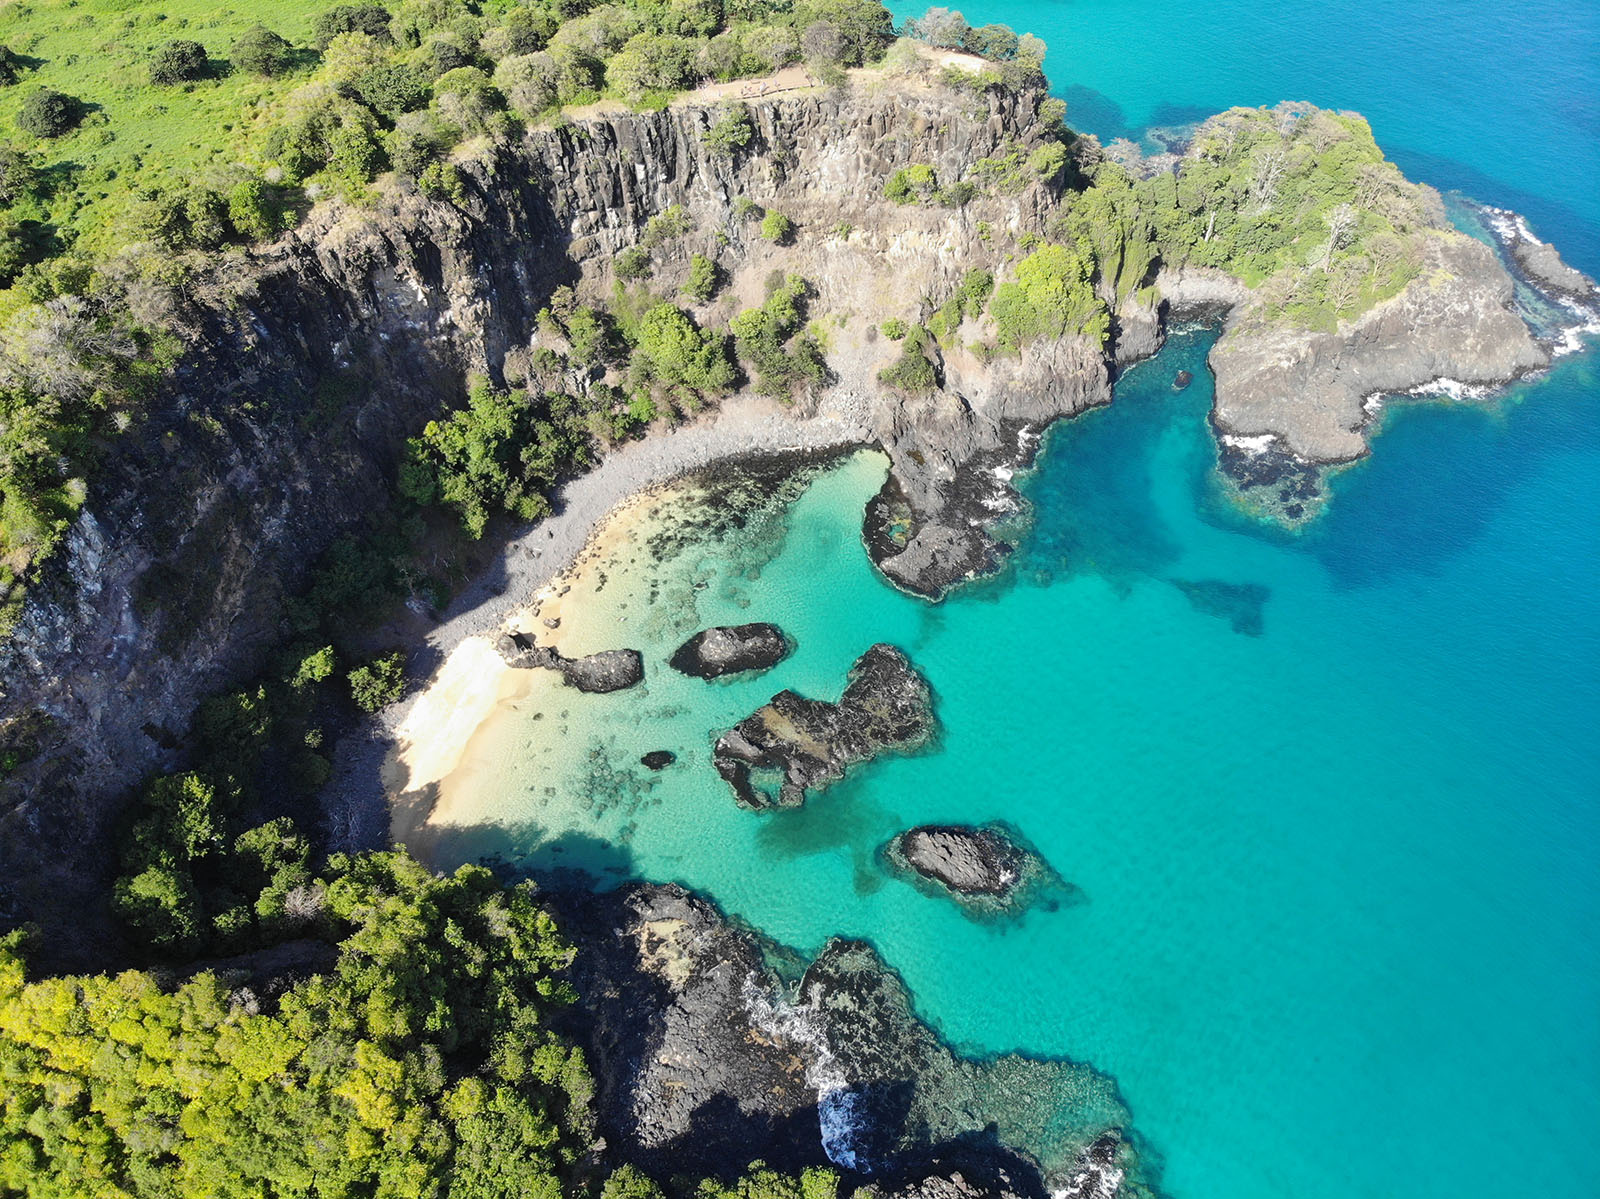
x=712 y=1046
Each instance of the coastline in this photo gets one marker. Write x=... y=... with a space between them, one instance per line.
x=384 y=785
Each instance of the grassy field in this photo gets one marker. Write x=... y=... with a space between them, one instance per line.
x=136 y=134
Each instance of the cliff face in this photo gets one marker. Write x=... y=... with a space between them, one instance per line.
x=312 y=360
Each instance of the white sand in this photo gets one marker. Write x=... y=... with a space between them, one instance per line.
x=417 y=743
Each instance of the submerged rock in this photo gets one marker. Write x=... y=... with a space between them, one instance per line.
x=1181 y=380
x=810 y=743
x=609 y=670
x=659 y=759
x=731 y=649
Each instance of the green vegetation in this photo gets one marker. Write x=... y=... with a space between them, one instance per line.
x=731 y=132
x=179 y=61
x=504 y=451
x=776 y=227
x=422 y=1064
x=379 y=683
x=913 y=372
x=703 y=278
x=1052 y=295
x=968 y=301
x=771 y=341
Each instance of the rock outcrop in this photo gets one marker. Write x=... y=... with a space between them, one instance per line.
x=810 y=743
x=968 y=861
x=731 y=649
x=608 y=670
x=711 y=1047
x=1309 y=389
x=991 y=871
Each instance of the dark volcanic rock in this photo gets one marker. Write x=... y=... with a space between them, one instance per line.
x=886 y=705
x=971 y=861
x=707 y=1054
x=659 y=759
x=731 y=649
x=1181 y=380
x=609 y=670
x=990 y=871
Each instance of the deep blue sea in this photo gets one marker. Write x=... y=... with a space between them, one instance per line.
x=1331 y=800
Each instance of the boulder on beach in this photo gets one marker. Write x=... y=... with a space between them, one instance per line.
x=810 y=743
x=609 y=670
x=731 y=649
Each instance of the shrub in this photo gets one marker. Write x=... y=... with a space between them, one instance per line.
x=776 y=227
x=1052 y=296
x=633 y=263
x=1048 y=161
x=261 y=52
x=19 y=178
x=251 y=210
x=391 y=89
x=912 y=372
x=178 y=62
x=379 y=683
x=911 y=184
x=370 y=19
x=665 y=226
x=677 y=351
x=730 y=132
x=702 y=282
x=761 y=333
x=894 y=328
x=746 y=209
x=10 y=67
x=49 y=113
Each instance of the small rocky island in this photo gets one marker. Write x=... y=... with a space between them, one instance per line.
x=987 y=868
x=731 y=649
x=609 y=670
x=810 y=743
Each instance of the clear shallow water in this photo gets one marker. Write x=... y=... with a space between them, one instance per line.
x=1333 y=801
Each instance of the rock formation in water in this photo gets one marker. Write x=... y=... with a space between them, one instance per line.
x=989 y=870
x=810 y=743
x=709 y=1046
x=731 y=649
x=968 y=861
x=608 y=670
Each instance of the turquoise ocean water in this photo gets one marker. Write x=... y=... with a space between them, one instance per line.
x=1332 y=801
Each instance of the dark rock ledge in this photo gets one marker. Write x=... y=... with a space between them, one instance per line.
x=886 y=705
x=712 y=1046
x=731 y=649
x=609 y=670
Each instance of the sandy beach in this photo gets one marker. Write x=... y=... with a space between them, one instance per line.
x=385 y=786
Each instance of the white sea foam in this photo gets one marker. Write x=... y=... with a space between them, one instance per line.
x=800 y=1024
x=1259 y=444
x=1509 y=226
x=1453 y=389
